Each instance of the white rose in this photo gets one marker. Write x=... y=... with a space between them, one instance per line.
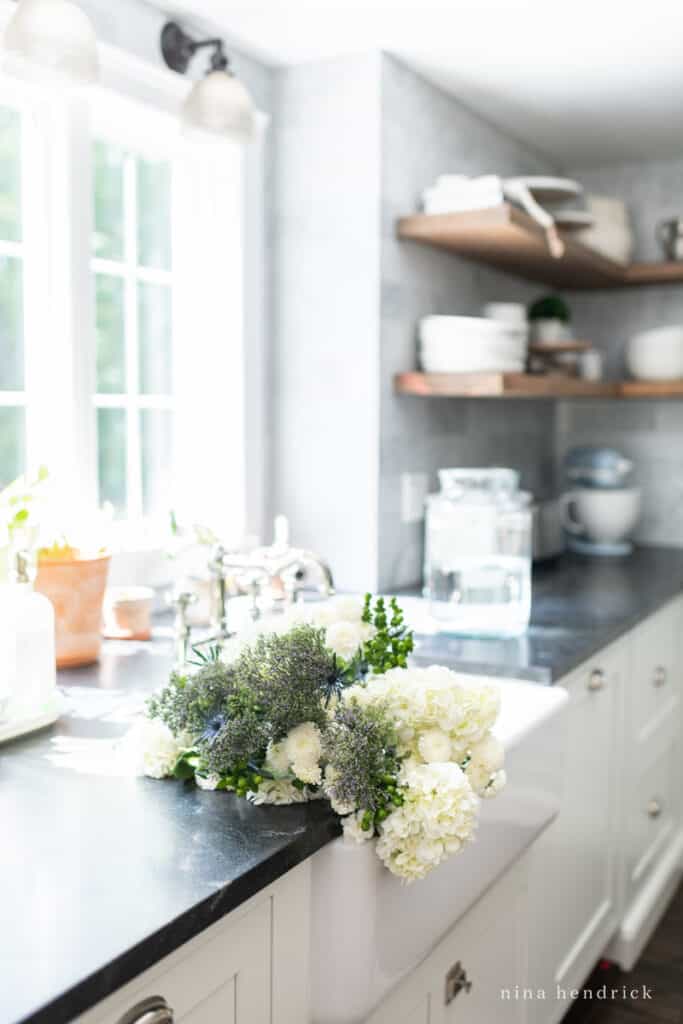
x=497 y=783
x=347 y=609
x=277 y=759
x=151 y=748
x=490 y=753
x=434 y=745
x=303 y=745
x=344 y=638
x=207 y=781
x=308 y=772
x=353 y=831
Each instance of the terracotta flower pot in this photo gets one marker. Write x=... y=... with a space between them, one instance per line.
x=75 y=586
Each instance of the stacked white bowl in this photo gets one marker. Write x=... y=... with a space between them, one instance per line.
x=656 y=354
x=471 y=344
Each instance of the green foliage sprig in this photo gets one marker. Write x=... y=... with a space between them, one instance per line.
x=393 y=641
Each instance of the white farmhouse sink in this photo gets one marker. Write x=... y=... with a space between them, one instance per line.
x=369 y=930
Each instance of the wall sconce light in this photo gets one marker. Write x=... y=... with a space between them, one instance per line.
x=218 y=103
x=55 y=36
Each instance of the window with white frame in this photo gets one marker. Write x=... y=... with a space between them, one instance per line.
x=12 y=363
x=133 y=287
x=122 y=363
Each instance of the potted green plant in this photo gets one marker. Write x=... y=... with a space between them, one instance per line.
x=550 y=318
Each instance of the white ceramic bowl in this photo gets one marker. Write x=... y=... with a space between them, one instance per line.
x=469 y=363
x=656 y=354
x=506 y=348
x=457 y=328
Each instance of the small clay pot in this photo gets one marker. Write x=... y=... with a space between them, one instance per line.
x=75 y=586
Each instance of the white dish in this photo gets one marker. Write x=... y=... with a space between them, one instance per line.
x=656 y=354
x=546 y=188
x=511 y=313
x=474 y=364
x=469 y=328
x=501 y=351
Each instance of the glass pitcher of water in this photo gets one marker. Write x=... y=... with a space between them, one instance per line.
x=478 y=552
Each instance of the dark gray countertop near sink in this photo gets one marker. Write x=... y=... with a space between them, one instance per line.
x=579 y=606
x=101 y=876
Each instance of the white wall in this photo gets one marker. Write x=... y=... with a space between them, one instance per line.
x=325 y=375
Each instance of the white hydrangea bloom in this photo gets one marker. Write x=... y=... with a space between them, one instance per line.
x=353 y=831
x=438 y=816
x=434 y=745
x=151 y=749
x=423 y=699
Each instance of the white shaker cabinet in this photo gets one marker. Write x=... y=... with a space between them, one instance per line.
x=651 y=839
x=250 y=968
x=573 y=899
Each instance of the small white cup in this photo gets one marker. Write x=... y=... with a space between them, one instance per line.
x=591 y=364
x=602 y=516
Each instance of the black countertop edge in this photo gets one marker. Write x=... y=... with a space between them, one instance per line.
x=146 y=954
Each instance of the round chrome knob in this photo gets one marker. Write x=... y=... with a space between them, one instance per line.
x=659 y=677
x=153 y=1010
x=596 y=680
x=654 y=808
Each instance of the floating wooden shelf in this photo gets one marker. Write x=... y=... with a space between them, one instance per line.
x=528 y=385
x=651 y=389
x=508 y=239
x=501 y=385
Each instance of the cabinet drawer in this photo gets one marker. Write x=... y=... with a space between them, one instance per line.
x=477 y=973
x=652 y=812
x=222 y=977
x=654 y=685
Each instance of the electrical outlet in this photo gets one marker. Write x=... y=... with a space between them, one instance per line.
x=414 y=488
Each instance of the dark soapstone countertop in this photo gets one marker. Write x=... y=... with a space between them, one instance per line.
x=102 y=875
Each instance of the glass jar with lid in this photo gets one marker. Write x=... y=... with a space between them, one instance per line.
x=478 y=552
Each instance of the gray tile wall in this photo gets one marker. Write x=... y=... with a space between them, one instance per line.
x=649 y=432
x=425 y=132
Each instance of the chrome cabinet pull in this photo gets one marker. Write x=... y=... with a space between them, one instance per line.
x=654 y=808
x=659 y=677
x=456 y=982
x=596 y=680
x=153 y=1010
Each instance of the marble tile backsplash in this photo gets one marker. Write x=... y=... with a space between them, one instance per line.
x=650 y=432
x=426 y=132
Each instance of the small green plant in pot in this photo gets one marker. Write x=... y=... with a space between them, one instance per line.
x=550 y=319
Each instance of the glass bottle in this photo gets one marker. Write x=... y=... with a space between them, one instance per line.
x=478 y=553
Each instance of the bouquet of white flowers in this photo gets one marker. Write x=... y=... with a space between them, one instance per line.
x=325 y=707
